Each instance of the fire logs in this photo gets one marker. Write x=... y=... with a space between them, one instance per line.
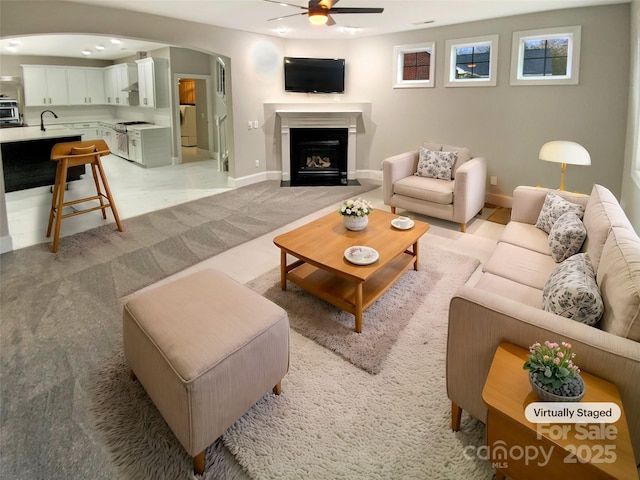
x=318 y=162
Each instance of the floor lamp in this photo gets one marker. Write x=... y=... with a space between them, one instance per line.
x=564 y=152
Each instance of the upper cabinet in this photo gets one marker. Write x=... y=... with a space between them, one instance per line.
x=45 y=86
x=119 y=85
x=85 y=86
x=153 y=82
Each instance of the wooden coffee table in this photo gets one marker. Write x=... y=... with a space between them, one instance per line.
x=322 y=270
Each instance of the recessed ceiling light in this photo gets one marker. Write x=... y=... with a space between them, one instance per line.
x=116 y=41
x=11 y=48
x=99 y=47
x=86 y=52
x=15 y=43
x=282 y=30
x=352 y=30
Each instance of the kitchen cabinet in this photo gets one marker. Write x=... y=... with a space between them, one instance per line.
x=45 y=86
x=86 y=86
x=109 y=135
x=89 y=130
x=116 y=79
x=153 y=82
x=150 y=146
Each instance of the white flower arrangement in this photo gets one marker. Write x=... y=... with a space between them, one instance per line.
x=355 y=208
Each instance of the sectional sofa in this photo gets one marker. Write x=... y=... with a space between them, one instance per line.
x=510 y=302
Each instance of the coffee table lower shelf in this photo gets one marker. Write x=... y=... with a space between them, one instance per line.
x=343 y=292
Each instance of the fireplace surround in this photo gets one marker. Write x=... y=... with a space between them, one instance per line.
x=318 y=118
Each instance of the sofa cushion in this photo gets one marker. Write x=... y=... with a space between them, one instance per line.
x=436 y=147
x=601 y=213
x=513 y=290
x=554 y=206
x=571 y=291
x=435 y=164
x=527 y=236
x=464 y=155
x=566 y=236
x=520 y=265
x=619 y=279
x=424 y=188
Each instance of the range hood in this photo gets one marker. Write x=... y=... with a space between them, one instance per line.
x=131 y=88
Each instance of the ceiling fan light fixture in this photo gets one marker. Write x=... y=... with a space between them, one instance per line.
x=319 y=17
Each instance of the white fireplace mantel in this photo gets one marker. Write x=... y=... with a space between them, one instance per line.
x=318 y=118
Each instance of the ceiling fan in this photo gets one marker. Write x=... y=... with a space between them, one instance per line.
x=319 y=10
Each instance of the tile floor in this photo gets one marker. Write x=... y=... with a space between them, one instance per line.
x=136 y=190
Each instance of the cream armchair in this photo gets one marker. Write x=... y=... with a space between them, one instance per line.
x=457 y=200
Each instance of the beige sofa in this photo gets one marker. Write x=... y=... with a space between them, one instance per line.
x=505 y=303
x=457 y=199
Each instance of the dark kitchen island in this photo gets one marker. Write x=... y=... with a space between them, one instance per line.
x=26 y=155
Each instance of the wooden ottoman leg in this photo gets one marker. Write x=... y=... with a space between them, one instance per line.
x=278 y=388
x=198 y=463
x=456 y=416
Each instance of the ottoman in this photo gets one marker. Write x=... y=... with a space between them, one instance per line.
x=205 y=348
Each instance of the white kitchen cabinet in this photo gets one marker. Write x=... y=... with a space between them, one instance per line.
x=150 y=146
x=86 y=86
x=44 y=86
x=89 y=130
x=153 y=82
x=108 y=134
x=116 y=79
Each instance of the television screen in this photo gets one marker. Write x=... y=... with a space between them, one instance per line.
x=314 y=75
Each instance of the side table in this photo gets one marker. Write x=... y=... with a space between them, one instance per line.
x=523 y=450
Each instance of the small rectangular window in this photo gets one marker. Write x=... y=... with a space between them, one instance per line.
x=546 y=57
x=414 y=65
x=472 y=61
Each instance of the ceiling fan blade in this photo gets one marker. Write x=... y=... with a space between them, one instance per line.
x=284 y=3
x=356 y=10
x=287 y=16
x=330 y=21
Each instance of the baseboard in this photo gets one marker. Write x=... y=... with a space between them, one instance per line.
x=374 y=176
x=499 y=200
x=6 y=244
x=255 y=178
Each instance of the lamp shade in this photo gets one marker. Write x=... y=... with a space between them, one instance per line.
x=561 y=151
x=318 y=16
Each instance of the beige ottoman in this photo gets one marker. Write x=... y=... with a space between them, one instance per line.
x=205 y=348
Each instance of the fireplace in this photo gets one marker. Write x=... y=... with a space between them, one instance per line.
x=318 y=156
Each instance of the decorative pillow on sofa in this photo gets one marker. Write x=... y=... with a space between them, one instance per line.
x=436 y=164
x=566 y=236
x=571 y=291
x=554 y=206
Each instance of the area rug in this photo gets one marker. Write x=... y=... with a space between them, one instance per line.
x=334 y=420
x=383 y=321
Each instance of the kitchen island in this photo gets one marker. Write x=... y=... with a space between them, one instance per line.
x=26 y=155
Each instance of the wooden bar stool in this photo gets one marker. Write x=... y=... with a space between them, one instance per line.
x=71 y=154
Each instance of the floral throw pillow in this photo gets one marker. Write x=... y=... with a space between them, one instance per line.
x=554 y=206
x=434 y=164
x=566 y=236
x=571 y=291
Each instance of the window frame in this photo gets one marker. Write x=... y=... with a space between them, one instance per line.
x=398 y=63
x=573 y=56
x=450 y=79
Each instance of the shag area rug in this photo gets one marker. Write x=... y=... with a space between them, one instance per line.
x=383 y=322
x=334 y=420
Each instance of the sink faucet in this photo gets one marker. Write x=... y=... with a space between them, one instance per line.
x=42 y=120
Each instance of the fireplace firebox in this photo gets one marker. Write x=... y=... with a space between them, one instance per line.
x=319 y=156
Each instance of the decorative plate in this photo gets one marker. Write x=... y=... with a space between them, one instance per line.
x=361 y=255
x=397 y=225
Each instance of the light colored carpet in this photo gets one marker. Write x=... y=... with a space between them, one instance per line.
x=334 y=420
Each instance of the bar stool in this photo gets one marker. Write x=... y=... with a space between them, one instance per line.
x=71 y=154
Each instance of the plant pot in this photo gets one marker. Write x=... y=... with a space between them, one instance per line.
x=547 y=396
x=351 y=222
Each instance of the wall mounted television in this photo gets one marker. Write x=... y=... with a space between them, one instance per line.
x=314 y=75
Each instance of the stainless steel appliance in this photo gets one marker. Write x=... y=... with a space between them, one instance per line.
x=9 y=113
x=122 y=137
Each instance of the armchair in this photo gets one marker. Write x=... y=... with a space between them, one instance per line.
x=457 y=199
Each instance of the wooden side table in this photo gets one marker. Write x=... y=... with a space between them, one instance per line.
x=524 y=450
